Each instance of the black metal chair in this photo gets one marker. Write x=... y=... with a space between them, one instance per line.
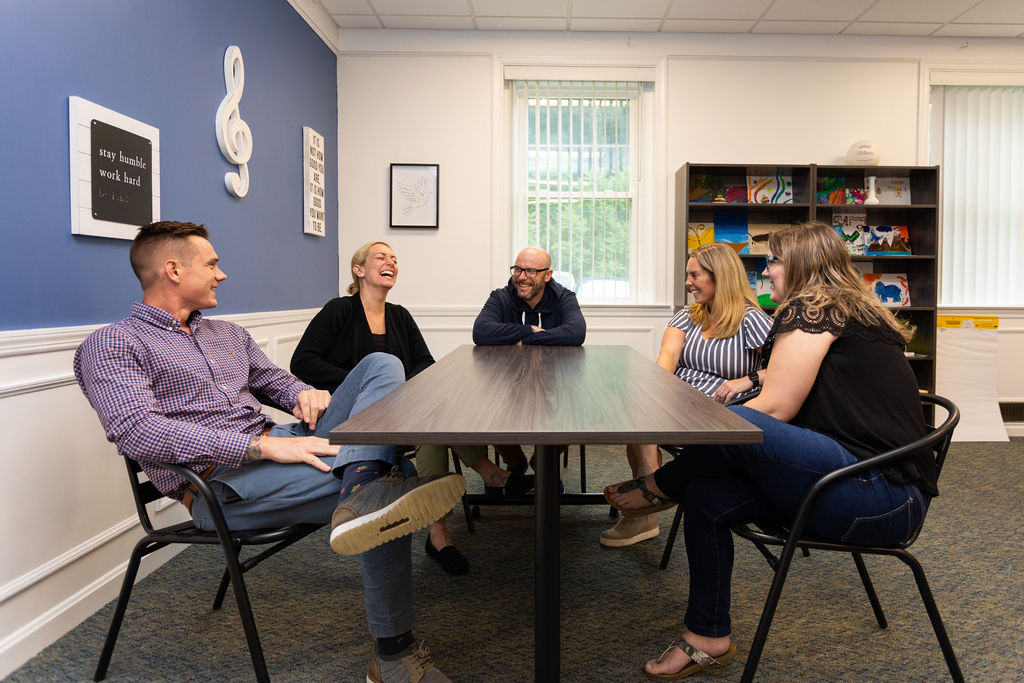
x=231 y=543
x=792 y=537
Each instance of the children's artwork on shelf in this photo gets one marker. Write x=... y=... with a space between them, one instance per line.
x=831 y=190
x=759 y=235
x=760 y=284
x=702 y=187
x=731 y=229
x=892 y=289
x=850 y=226
x=699 y=234
x=855 y=195
x=736 y=194
x=893 y=190
x=769 y=189
x=888 y=239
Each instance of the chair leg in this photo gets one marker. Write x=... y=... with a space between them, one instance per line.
x=583 y=467
x=933 y=613
x=671 y=540
x=466 y=507
x=252 y=637
x=768 y=613
x=122 y=604
x=870 y=588
x=222 y=589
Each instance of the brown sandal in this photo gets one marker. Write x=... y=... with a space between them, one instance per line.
x=702 y=661
x=657 y=503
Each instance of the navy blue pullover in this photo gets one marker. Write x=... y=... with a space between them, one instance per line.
x=506 y=319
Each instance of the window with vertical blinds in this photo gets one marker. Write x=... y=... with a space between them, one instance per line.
x=578 y=172
x=978 y=138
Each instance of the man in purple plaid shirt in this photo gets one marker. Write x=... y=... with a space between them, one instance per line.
x=170 y=385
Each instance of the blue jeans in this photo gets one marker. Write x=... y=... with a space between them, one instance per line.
x=719 y=485
x=266 y=494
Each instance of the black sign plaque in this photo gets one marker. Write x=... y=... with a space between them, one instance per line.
x=122 y=175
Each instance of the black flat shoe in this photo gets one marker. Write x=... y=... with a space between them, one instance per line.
x=449 y=557
x=516 y=485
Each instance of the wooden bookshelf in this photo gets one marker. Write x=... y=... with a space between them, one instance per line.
x=921 y=217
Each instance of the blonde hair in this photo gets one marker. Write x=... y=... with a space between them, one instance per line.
x=819 y=274
x=359 y=259
x=732 y=290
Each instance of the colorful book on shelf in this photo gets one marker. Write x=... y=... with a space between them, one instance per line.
x=769 y=189
x=892 y=289
x=831 y=190
x=699 y=234
x=760 y=284
x=731 y=229
x=892 y=189
x=851 y=227
x=888 y=239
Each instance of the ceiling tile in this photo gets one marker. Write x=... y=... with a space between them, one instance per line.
x=421 y=7
x=801 y=27
x=651 y=9
x=719 y=9
x=1004 y=11
x=356 y=21
x=347 y=6
x=420 y=22
x=874 y=28
x=817 y=10
x=707 y=26
x=917 y=10
x=981 y=30
x=521 y=23
x=521 y=8
x=586 y=24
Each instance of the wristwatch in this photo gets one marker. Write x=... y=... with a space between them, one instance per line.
x=755 y=378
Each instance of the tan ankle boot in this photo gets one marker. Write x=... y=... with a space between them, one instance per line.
x=630 y=530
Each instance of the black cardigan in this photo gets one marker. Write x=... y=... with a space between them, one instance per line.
x=338 y=337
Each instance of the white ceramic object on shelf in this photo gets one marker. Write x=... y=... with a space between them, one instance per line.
x=872 y=198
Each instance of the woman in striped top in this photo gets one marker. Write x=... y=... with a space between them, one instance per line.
x=713 y=344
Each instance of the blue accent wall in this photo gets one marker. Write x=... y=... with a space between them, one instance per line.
x=161 y=62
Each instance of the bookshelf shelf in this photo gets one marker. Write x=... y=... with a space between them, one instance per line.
x=920 y=215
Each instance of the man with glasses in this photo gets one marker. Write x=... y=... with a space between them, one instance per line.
x=531 y=309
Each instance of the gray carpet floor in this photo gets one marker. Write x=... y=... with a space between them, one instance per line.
x=618 y=608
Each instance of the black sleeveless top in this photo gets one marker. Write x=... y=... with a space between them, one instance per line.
x=865 y=395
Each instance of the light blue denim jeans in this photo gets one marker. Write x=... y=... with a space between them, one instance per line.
x=266 y=494
x=719 y=485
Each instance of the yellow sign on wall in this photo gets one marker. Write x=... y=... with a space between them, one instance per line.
x=977 y=322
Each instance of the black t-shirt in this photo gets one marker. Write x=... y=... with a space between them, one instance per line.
x=865 y=395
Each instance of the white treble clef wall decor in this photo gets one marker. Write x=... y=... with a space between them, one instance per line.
x=233 y=134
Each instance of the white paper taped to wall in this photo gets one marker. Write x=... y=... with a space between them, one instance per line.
x=965 y=373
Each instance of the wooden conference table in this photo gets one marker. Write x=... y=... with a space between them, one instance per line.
x=545 y=395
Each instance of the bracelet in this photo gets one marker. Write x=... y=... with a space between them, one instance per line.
x=755 y=378
x=255 y=451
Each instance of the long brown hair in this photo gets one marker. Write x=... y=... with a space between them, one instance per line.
x=732 y=290
x=819 y=274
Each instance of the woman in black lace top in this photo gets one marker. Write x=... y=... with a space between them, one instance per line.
x=837 y=389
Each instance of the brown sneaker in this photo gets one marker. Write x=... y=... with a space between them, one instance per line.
x=630 y=530
x=390 y=507
x=413 y=667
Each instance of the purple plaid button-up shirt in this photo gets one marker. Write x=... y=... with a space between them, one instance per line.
x=165 y=395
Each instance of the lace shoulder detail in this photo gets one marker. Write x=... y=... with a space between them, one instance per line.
x=798 y=316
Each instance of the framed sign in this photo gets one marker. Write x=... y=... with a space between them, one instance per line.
x=114 y=171
x=414 y=195
x=313 y=198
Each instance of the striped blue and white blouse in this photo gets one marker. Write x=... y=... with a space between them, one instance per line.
x=707 y=363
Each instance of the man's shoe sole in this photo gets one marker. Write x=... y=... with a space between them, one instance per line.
x=622 y=542
x=416 y=509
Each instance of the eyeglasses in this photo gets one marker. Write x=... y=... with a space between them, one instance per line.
x=774 y=260
x=530 y=272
